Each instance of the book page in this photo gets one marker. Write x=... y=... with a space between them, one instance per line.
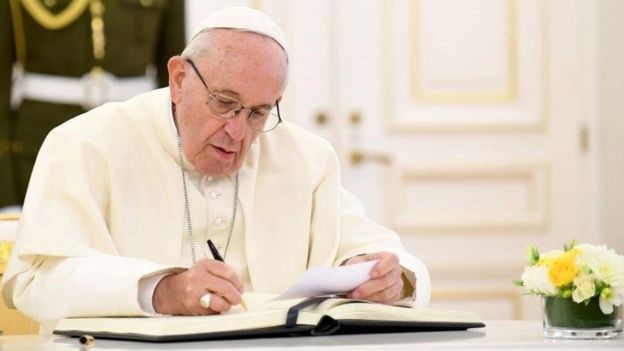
x=318 y=281
x=176 y=325
x=360 y=310
x=264 y=301
x=402 y=310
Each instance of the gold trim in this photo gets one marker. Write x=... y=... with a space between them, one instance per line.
x=97 y=30
x=513 y=297
x=465 y=127
x=9 y=216
x=480 y=96
x=536 y=215
x=18 y=32
x=478 y=269
x=51 y=21
x=393 y=125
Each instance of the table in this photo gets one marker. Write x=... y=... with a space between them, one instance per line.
x=498 y=335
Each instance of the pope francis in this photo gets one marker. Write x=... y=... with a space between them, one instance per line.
x=124 y=197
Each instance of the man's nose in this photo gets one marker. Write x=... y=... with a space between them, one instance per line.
x=235 y=126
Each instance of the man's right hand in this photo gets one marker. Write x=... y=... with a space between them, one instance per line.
x=179 y=294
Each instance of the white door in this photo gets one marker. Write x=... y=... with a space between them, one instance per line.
x=457 y=123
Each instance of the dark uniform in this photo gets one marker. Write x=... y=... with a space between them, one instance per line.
x=128 y=37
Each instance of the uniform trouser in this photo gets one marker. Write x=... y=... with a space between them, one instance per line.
x=31 y=123
x=7 y=186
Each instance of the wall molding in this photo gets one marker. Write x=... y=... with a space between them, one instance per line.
x=468 y=99
x=536 y=215
x=509 y=93
x=512 y=297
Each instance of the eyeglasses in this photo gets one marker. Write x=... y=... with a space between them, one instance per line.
x=259 y=119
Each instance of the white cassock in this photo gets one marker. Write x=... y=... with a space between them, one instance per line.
x=105 y=208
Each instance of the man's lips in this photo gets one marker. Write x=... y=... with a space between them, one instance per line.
x=224 y=149
x=224 y=152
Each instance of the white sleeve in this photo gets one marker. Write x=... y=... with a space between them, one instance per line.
x=104 y=285
x=147 y=287
x=65 y=261
x=361 y=235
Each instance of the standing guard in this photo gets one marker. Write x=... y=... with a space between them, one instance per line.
x=59 y=58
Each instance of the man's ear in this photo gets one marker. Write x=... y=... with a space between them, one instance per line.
x=177 y=71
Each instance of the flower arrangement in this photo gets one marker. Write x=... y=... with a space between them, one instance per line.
x=580 y=272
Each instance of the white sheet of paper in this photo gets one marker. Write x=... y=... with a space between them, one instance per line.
x=318 y=281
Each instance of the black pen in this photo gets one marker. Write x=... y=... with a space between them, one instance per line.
x=217 y=256
x=213 y=250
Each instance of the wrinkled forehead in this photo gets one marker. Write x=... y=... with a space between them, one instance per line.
x=241 y=61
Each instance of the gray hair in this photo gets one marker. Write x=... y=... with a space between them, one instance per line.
x=201 y=43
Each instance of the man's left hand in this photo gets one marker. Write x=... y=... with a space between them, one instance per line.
x=385 y=284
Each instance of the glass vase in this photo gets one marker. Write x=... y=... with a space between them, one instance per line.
x=564 y=318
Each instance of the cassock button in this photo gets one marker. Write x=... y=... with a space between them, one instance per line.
x=214 y=195
x=219 y=221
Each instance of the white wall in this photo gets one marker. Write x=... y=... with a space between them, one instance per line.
x=610 y=23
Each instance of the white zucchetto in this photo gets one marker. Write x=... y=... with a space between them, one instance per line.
x=245 y=19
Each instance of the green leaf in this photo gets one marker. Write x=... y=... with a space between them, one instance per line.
x=533 y=254
x=566 y=293
x=518 y=282
x=606 y=293
x=600 y=285
x=570 y=246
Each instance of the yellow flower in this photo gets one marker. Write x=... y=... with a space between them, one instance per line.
x=547 y=258
x=563 y=268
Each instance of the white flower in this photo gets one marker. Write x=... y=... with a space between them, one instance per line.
x=605 y=264
x=585 y=288
x=535 y=279
x=609 y=298
x=607 y=267
x=595 y=271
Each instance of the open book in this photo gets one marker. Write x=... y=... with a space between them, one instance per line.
x=266 y=317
